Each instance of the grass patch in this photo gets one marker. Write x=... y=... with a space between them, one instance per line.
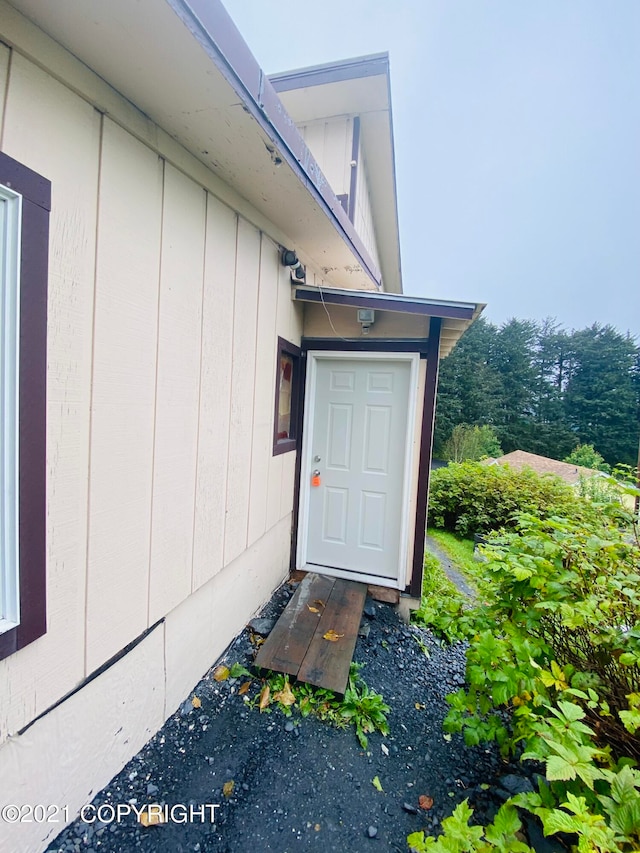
x=435 y=583
x=459 y=551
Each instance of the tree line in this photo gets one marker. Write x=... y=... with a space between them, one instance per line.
x=543 y=389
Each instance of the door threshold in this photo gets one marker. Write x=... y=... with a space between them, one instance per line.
x=346 y=574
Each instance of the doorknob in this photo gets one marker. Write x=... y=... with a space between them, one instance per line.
x=316 y=473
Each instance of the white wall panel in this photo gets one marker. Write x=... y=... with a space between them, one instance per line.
x=264 y=394
x=177 y=392
x=215 y=390
x=124 y=373
x=242 y=388
x=39 y=113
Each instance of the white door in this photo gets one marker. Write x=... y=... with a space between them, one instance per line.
x=357 y=442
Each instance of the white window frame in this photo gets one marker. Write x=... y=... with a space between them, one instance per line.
x=10 y=241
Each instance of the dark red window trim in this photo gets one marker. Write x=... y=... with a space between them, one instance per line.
x=291 y=443
x=34 y=266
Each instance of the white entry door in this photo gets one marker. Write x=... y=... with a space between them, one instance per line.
x=358 y=438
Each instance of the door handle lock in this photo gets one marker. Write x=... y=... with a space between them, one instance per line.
x=316 y=473
x=315 y=478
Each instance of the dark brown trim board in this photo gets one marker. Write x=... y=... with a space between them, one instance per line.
x=36 y=204
x=293 y=442
x=418 y=345
x=332 y=72
x=426 y=444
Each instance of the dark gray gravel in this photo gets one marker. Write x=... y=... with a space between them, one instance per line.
x=299 y=784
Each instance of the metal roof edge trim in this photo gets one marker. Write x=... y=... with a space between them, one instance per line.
x=233 y=58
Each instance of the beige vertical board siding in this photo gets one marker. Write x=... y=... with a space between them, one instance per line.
x=76 y=749
x=51 y=130
x=286 y=491
x=5 y=55
x=177 y=392
x=215 y=391
x=124 y=372
x=242 y=385
x=203 y=625
x=330 y=143
x=363 y=218
x=264 y=394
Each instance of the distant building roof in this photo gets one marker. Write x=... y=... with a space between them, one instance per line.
x=520 y=459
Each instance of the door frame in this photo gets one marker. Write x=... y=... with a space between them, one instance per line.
x=313 y=357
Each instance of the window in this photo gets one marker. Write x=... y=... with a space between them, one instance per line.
x=288 y=384
x=24 y=237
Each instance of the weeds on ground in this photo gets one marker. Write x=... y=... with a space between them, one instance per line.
x=361 y=707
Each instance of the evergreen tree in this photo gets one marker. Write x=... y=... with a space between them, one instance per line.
x=601 y=398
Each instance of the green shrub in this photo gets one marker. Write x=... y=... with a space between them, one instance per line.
x=469 y=497
x=553 y=673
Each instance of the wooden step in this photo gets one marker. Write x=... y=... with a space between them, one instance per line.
x=296 y=645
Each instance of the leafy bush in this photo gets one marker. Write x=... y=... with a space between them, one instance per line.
x=471 y=442
x=587 y=456
x=553 y=673
x=468 y=497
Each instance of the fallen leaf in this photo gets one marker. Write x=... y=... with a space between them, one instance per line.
x=243 y=688
x=285 y=696
x=447 y=738
x=425 y=802
x=376 y=783
x=312 y=609
x=196 y=702
x=152 y=815
x=317 y=827
x=227 y=788
x=237 y=671
x=319 y=603
x=384 y=748
x=265 y=697
x=332 y=636
x=221 y=673
x=419 y=706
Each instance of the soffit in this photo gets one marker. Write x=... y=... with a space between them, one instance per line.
x=212 y=97
x=334 y=90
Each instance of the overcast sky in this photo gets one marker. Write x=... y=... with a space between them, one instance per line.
x=517 y=137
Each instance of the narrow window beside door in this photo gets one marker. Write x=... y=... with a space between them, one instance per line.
x=287 y=403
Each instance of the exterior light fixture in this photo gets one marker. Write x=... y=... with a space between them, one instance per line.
x=366 y=318
x=289 y=259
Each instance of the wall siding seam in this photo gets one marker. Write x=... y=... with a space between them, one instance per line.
x=155 y=392
x=91 y=385
x=5 y=95
x=231 y=343
x=202 y=297
x=255 y=389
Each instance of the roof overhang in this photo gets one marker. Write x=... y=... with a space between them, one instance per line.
x=356 y=87
x=456 y=317
x=185 y=66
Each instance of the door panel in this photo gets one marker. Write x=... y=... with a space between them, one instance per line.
x=358 y=444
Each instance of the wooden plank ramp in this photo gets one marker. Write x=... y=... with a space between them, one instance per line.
x=296 y=645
